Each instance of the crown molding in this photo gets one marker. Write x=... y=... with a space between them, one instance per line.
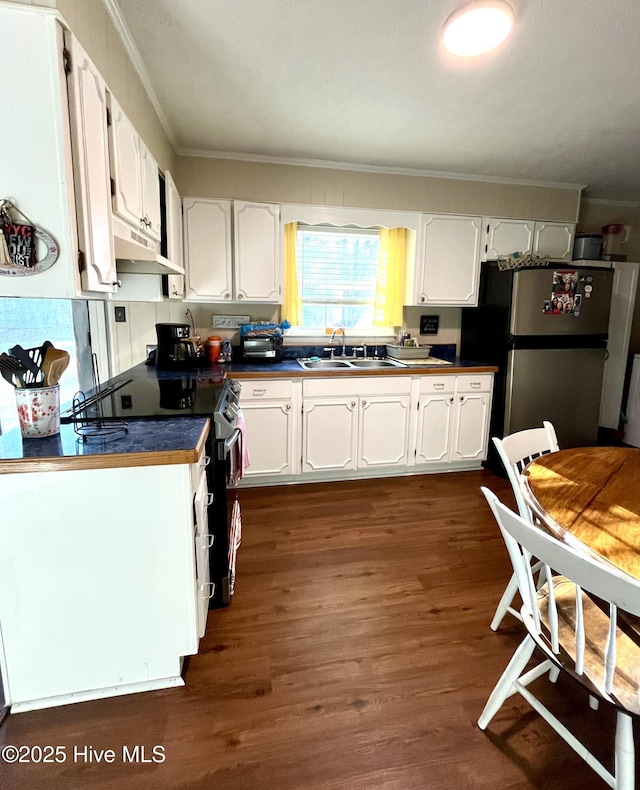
x=132 y=51
x=361 y=168
x=605 y=202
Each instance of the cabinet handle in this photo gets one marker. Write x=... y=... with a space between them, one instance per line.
x=475 y=385
x=287 y=407
x=258 y=393
x=364 y=403
x=210 y=540
x=227 y=295
x=209 y=499
x=353 y=404
x=422 y=298
x=461 y=398
x=239 y=296
x=208 y=593
x=438 y=386
x=451 y=399
x=207 y=461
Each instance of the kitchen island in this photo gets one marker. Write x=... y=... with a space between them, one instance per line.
x=103 y=561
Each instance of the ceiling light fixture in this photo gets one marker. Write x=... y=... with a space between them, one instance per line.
x=478 y=27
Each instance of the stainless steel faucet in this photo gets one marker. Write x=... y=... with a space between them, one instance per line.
x=344 y=338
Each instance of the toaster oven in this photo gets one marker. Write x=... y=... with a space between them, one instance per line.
x=265 y=347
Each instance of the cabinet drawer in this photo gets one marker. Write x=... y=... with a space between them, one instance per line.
x=437 y=384
x=266 y=389
x=474 y=383
x=358 y=385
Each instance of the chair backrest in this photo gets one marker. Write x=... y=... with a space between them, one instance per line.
x=518 y=449
x=574 y=573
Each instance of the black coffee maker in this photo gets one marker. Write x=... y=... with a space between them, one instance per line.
x=175 y=351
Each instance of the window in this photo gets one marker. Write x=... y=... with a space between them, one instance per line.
x=337 y=271
x=29 y=322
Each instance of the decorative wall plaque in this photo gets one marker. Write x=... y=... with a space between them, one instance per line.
x=22 y=242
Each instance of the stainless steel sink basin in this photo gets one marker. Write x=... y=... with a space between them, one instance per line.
x=375 y=363
x=342 y=364
x=309 y=364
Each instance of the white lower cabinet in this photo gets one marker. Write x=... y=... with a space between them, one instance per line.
x=271 y=413
x=359 y=423
x=106 y=597
x=453 y=418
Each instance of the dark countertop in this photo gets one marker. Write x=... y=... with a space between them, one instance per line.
x=146 y=443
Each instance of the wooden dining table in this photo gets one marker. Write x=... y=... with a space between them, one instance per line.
x=590 y=496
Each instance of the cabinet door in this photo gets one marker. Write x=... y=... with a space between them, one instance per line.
x=174 y=221
x=471 y=426
x=125 y=165
x=150 y=193
x=554 y=240
x=257 y=257
x=329 y=434
x=204 y=588
x=506 y=236
x=207 y=249
x=88 y=120
x=435 y=418
x=270 y=430
x=448 y=265
x=383 y=431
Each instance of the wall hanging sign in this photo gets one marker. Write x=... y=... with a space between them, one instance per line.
x=25 y=249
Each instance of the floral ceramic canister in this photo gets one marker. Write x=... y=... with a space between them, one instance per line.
x=38 y=411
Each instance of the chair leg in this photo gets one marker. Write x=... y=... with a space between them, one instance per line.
x=504 y=687
x=505 y=603
x=554 y=673
x=625 y=754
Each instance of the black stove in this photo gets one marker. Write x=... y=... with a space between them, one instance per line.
x=164 y=395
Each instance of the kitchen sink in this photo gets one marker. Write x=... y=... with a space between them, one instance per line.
x=312 y=364
x=375 y=363
x=342 y=364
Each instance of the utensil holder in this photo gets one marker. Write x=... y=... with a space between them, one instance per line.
x=38 y=411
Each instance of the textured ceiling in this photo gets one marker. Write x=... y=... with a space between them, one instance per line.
x=365 y=82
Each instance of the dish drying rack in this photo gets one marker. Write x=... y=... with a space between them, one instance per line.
x=97 y=427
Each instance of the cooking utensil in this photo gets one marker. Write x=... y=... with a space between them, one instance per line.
x=32 y=375
x=54 y=365
x=13 y=370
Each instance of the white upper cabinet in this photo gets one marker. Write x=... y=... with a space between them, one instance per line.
x=503 y=237
x=207 y=249
x=136 y=194
x=257 y=257
x=225 y=261
x=174 y=221
x=506 y=236
x=88 y=114
x=448 y=260
x=554 y=240
x=39 y=158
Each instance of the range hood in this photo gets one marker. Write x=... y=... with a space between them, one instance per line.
x=138 y=254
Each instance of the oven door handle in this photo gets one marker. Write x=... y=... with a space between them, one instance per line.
x=228 y=443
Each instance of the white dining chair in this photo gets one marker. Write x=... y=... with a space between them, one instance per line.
x=516 y=451
x=575 y=633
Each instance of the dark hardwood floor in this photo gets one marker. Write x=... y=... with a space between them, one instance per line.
x=356 y=654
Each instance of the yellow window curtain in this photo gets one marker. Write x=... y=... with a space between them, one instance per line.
x=292 y=302
x=387 y=306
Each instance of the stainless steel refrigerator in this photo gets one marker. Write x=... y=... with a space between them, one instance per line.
x=546 y=329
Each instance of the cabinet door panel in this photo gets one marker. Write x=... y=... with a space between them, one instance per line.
x=127 y=199
x=150 y=193
x=470 y=427
x=88 y=114
x=506 y=236
x=329 y=434
x=207 y=249
x=554 y=240
x=434 y=427
x=383 y=431
x=258 y=265
x=269 y=431
x=174 y=221
x=449 y=260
